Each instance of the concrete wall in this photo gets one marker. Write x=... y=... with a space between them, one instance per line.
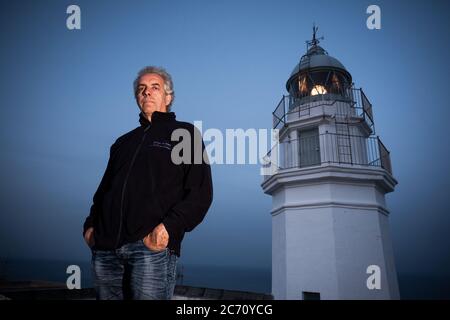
x=325 y=235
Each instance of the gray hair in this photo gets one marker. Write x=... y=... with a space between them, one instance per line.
x=168 y=84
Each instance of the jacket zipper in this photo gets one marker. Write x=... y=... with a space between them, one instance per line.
x=125 y=185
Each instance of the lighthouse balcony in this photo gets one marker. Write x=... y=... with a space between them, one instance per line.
x=352 y=106
x=328 y=148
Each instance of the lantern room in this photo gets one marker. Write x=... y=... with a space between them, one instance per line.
x=318 y=76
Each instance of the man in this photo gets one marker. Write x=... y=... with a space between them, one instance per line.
x=145 y=202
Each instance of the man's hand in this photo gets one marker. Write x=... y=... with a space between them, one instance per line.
x=89 y=237
x=158 y=239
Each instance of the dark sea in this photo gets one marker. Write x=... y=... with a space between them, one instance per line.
x=412 y=286
x=217 y=277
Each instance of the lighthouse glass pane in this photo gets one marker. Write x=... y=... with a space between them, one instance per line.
x=319 y=79
x=327 y=82
x=309 y=148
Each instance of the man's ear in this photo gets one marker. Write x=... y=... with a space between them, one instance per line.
x=168 y=99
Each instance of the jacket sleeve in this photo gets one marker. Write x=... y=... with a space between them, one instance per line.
x=98 y=196
x=198 y=194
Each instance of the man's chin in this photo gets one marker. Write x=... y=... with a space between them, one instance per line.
x=147 y=110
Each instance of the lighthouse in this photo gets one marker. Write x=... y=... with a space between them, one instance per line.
x=330 y=173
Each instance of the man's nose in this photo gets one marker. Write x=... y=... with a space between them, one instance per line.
x=146 y=92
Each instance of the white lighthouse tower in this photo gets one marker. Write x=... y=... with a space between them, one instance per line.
x=330 y=230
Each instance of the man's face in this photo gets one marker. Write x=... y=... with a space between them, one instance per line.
x=151 y=95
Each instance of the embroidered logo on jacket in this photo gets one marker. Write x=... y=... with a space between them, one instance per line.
x=162 y=144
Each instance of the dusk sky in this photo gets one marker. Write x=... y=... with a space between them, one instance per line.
x=66 y=95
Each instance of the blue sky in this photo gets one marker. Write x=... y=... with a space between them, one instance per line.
x=67 y=95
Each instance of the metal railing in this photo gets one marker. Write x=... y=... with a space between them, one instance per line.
x=329 y=148
x=385 y=157
x=355 y=99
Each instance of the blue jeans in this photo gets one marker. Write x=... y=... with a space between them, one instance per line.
x=134 y=272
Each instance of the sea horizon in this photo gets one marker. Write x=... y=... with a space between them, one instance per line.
x=239 y=278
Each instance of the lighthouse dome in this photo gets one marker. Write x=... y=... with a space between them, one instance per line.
x=318 y=73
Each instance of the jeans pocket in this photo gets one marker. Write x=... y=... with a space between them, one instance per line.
x=153 y=251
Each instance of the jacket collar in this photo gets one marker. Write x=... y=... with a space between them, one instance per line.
x=157 y=116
